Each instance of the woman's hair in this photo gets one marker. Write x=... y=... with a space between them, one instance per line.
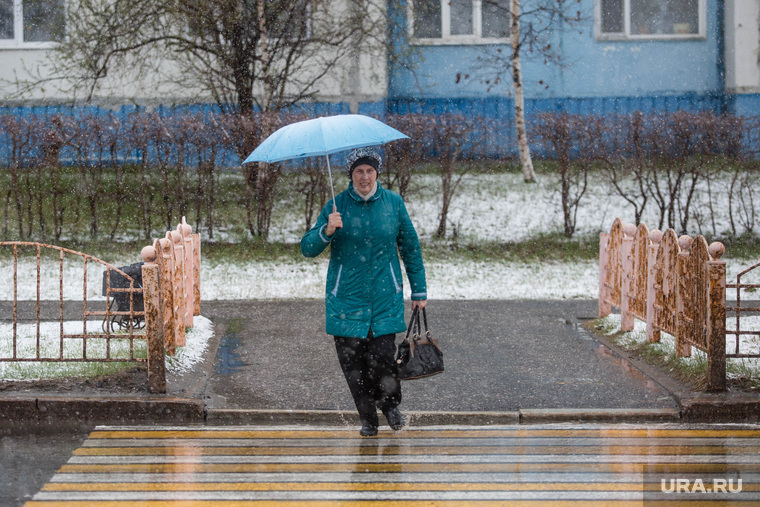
x=367 y=155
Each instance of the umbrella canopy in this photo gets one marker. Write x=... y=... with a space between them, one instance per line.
x=323 y=136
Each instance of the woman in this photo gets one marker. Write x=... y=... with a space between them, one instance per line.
x=367 y=227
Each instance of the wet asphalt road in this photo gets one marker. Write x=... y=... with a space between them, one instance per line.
x=500 y=356
x=29 y=458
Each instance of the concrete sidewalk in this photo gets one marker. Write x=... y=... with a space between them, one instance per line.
x=506 y=362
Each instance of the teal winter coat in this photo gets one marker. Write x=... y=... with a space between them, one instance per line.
x=364 y=284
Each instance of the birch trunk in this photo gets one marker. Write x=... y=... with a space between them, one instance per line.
x=522 y=134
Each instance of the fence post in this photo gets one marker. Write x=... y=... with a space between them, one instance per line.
x=187 y=239
x=716 y=319
x=154 y=328
x=196 y=274
x=653 y=334
x=165 y=262
x=604 y=257
x=626 y=255
x=683 y=348
x=180 y=307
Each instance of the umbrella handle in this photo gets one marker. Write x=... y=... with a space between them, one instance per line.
x=332 y=189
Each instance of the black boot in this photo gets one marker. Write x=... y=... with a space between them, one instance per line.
x=369 y=429
x=395 y=419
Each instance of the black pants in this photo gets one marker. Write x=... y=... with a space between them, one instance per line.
x=370 y=368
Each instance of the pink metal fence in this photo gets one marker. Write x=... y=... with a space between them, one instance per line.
x=89 y=308
x=170 y=293
x=742 y=307
x=676 y=285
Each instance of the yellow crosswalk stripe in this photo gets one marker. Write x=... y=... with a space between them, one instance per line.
x=377 y=503
x=197 y=468
x=356 y=450
x=582 y=466
x=362 y=486
x=494 y=433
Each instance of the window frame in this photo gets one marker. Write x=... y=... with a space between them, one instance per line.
x=626 y=35
x=17 y=42
x=446 y=39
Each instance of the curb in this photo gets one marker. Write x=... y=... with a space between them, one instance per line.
x=130 y=410
x=526 y=416
x=720 y=409
x=346 y=417
x=52 y=409
x=606 y=415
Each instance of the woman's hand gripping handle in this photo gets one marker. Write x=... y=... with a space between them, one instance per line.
x=334 y=222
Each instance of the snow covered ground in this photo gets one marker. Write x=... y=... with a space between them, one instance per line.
x=498 y=207
x=196 y=343
x=487 y=207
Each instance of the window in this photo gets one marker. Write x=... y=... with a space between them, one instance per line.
x=30 y=23
x=459 y=21
x=650 y=19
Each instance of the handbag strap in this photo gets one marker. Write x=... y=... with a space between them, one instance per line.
x=414 y=321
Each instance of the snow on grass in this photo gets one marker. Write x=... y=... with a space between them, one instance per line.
x=50 y=347
x=446 y=280
x=196 y=344
x=745 y=368
x=305 y=279
x=502 y=207
x=487 y=207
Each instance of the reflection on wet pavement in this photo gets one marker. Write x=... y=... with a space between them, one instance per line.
x=439 y=465
x=227 y=357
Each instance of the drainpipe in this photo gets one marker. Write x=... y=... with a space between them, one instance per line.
x=721 y=61
x=356 y=85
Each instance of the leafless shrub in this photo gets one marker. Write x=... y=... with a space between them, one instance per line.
x=684 y=150
x=664 y=158
x=205 y=144
x=50 y=137
x=18 y=136
x=139 y=141
x=401 y=156
x=451 y=136
x=314 y=188
x=571 y=140
x=94 y=139
x=260 y=178
x=745 y=179
x=621 y=155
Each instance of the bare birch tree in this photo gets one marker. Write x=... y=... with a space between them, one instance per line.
x=522 y=134
x=532 y=26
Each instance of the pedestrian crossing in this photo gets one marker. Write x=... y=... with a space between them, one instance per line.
x=504 y=465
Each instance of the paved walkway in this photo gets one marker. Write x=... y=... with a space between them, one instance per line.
x=502 y=357
x=571 y=464
x=506 y=362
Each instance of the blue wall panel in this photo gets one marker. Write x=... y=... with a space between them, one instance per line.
x=744 y=105
x=498 y=112
x=591 y=68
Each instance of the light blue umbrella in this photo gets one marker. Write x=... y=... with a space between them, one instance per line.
x=323 y=136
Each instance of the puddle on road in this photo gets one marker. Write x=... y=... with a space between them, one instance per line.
x=624 y=365
x=227 y=358
x=629 y=369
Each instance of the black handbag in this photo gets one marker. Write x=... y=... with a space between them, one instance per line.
x=420 y=356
